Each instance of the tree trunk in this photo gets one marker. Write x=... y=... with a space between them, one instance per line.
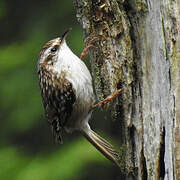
x=136 y=49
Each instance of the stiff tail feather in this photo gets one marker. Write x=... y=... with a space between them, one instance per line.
x=102 y=145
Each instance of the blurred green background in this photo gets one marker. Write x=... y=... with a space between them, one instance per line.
x=27 y=148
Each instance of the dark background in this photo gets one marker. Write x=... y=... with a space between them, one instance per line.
x=27 y=148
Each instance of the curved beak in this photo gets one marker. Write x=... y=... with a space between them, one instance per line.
x=63 y=37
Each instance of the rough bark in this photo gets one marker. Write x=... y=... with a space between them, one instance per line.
x=137 y=49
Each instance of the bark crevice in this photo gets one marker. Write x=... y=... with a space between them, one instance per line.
x=161 y=156
x=144 y=173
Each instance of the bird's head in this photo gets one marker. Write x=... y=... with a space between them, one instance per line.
x=50 y=52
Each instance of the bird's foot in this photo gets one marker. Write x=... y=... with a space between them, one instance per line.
x=106 y=100
x=88 y=44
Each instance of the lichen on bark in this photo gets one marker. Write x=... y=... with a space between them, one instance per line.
x=108 y=22
x=137 y=49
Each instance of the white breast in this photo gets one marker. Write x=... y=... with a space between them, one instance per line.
x=78 y=74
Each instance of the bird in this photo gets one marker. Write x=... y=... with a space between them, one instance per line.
x=67 y=94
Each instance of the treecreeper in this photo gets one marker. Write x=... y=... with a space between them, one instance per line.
x=67 y=94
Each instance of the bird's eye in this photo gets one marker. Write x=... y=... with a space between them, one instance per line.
x=54 y=49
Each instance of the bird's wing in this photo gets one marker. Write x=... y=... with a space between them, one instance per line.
x=58 y=101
